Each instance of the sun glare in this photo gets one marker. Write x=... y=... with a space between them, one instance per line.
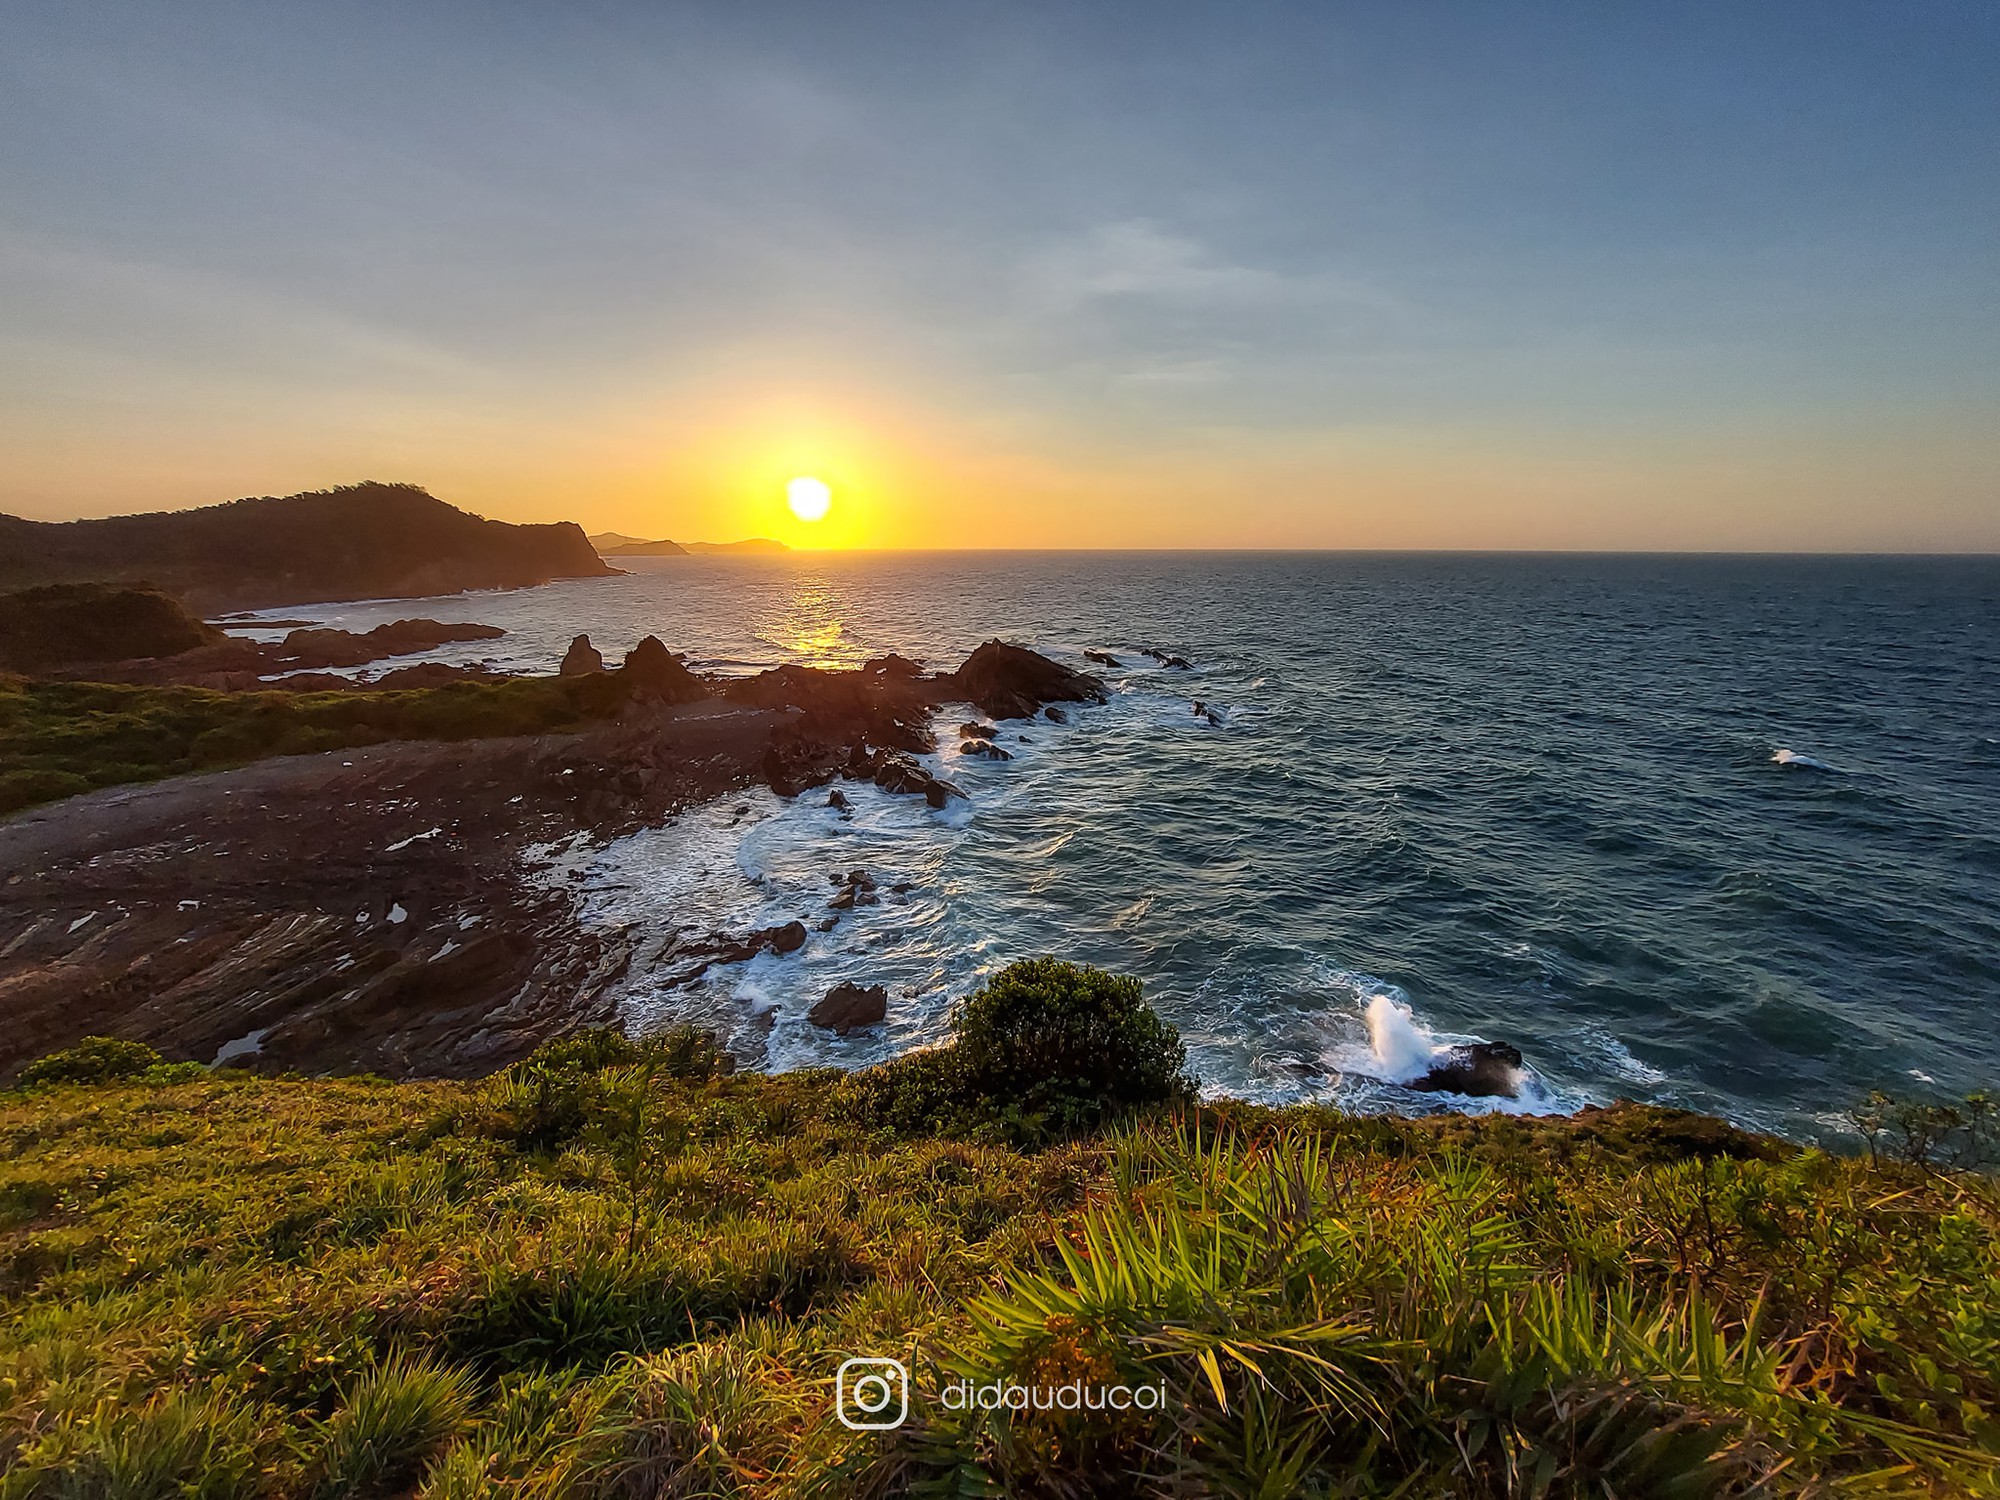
x=809 y=498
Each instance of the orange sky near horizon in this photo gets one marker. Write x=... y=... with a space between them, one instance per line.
x=914 y=478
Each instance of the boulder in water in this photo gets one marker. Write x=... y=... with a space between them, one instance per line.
x=581 y=657
x=1479 y=1070
x=1012 y=682
x=849 y=1006
x=1104 y=659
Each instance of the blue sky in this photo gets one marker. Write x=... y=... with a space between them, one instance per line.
x=1308 y=274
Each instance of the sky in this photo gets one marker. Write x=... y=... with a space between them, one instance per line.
x=1272 y=273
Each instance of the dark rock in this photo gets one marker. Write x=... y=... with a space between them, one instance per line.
x=652 y=668
x=849 y=1006
x=1104 y=659
x=854 y=710
x=581 y=657
x=324 y=647
x=976 y=731
x=856 y=889
x=837 y=799
x=1055 y=715
x=1479 y=1070
x=1012 y=682
x=429 y=674
x=1168 y=659
x=788 y=938
x=793 y=762
x=893 y=665
x=895 y=772
x=984 y=749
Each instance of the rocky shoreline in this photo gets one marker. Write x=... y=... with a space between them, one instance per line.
x=372 y=909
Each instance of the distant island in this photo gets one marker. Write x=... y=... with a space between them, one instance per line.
x=617 y=544
x=359 y=541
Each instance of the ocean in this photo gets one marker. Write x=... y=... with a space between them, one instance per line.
x=1718 y=832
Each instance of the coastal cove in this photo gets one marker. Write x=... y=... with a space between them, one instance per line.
x=1712 y=832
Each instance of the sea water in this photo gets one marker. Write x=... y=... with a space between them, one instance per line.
x=1716 y=832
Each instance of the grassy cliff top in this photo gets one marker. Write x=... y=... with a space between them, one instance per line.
x=622 y=1271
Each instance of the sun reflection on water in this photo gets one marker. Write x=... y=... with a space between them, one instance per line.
x=808 y=627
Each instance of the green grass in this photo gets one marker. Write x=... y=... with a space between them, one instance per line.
x=61 y=738
x=619 y=1272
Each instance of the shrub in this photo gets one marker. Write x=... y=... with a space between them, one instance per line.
x=1963 y=1135
x=398 y=1416
x=1046 y=1047
x=95 y=1059
x=1068 y=1041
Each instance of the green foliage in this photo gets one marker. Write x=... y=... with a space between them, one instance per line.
x=95 y=1059
x=586 y=1078
x=235 y=1285
x=1962 y=1134
x=395 y=1419
x=1043 y=1048
x=60 y=738
x=64 y=623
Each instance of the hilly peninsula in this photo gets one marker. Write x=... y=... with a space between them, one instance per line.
x=361 y=541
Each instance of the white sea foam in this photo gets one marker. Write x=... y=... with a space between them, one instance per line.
x=1785 y=757
x=1402 y=1050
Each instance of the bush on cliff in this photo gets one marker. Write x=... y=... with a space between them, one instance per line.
x=105 y=1059
x=1043 y=1048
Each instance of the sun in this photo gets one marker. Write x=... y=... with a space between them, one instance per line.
x=809 y=498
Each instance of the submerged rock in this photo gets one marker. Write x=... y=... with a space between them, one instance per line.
x=1104 y=659
x=1480 y=1070
x=849 y=1006
x=856 y=889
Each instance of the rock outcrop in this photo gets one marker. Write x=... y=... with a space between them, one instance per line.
x=849 y=1006
x=581 y=658
x=1011 y=682
x=652 y=669
x=1479 y=1070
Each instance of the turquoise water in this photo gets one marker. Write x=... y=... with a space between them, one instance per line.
x=1722 y=832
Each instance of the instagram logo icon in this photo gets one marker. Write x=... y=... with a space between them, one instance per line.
x=872 y=1395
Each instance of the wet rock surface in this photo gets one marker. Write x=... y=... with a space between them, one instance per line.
x=1479 y=1070
x=362 y=910
x=849 y=1007
x=1005 y=681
